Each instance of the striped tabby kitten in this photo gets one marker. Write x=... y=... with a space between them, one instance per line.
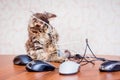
x=42 y=38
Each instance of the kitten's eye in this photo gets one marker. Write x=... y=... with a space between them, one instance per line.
x=45 y=28
x=41 y=22
x=45 y=24
x=33 y=37
x=34 y=19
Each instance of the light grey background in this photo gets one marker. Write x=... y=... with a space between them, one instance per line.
x=97 y=20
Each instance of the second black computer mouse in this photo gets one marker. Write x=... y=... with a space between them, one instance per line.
x=110 y=66
x=22 y=59
x=39 y=66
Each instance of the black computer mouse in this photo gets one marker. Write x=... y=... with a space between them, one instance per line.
x=22 y=59
x=39 y=66
x=110 y=66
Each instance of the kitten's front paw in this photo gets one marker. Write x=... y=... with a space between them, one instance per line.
x=59 y=60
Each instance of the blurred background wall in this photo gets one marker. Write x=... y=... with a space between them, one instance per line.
x=97 y=20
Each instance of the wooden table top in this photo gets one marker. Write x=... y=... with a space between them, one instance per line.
x=9 y=71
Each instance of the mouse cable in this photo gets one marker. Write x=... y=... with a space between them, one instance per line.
x=84 y=58
x=98 y=58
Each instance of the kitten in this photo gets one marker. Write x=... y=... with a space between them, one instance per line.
x=42 y=38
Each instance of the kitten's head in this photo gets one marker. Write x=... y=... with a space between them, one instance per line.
x=45 y=16
x=39 y=27
x=39 y=22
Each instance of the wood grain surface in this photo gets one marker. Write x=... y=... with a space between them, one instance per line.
x=9 y=71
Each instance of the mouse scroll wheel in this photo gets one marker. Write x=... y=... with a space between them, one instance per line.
x=30 y=65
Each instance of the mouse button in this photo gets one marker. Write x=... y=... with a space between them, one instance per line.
x=48 y=68
x=113 y=61
x=105 y=64
x=39 y=67
x=27 y=58
x=116 y=67
x=39 y=62
x=50 y=64
x=24 y=60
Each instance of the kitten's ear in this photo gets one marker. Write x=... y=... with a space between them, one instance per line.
x=50 y=15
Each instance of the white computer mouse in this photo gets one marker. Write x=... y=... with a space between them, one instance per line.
x=69 y=67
